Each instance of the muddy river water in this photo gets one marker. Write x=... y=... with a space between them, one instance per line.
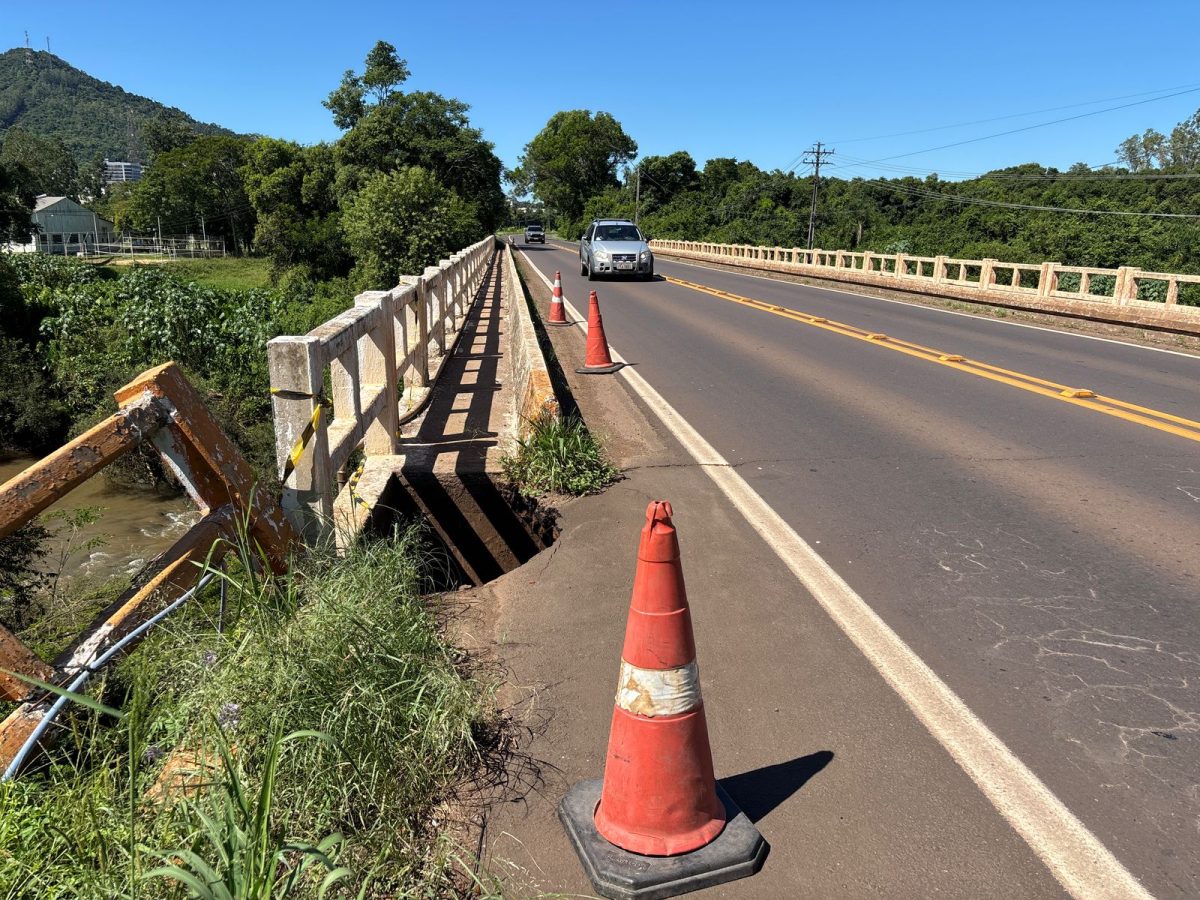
x=134 y=525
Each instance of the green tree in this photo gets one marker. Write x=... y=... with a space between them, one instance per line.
x=16 y=206
x=573 y=158
x=194 y=187
x=42 y=165
x=298 y=218
x=381 y=79
x=401 y=222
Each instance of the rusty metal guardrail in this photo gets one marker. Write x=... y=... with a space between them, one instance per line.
x=162 y=408
x=1128 y=295
x=382 y=355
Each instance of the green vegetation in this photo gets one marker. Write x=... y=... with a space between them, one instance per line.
x=43 y=94
x=316 y=725
x=559 y=455
x=77 y=333
x=1002 y=214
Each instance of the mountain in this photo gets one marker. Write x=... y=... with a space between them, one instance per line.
x=46 y=95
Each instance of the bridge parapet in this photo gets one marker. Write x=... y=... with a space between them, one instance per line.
x=1128 y=295
x=381 y=355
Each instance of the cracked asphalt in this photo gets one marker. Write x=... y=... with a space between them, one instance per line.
x=1040 y=557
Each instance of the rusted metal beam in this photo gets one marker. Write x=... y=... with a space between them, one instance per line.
x=207 y=462
x=29 y=493
x=16 y=657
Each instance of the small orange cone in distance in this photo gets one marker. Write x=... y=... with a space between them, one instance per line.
x=599 y=360
x=658 y=824
x=558 y=315
x=660 y=796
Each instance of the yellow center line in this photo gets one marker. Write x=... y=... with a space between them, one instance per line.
x=1110 y=406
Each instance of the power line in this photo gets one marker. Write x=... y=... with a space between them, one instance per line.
x=880 y=137
x=855 y=162
x=988 y=137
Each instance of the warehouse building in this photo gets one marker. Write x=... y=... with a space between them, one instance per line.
x=64 y=227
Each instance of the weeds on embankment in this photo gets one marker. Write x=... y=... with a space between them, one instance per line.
x=558 y=455
x=301 y=732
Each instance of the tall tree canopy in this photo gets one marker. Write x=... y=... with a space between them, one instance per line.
x=573 y=158
x=41 y=165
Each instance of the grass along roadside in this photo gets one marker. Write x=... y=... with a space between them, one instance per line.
x=325 y=710
x=559 y=455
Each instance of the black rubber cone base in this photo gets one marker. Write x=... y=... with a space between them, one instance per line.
x=550 y=324
x=738 y=851
x=598 y=370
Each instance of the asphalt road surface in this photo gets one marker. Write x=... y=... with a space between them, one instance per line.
x=1040 y=555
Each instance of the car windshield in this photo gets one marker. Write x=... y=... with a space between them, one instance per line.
x=534 y=228
x=617 y=233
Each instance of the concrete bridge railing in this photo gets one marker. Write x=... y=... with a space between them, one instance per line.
x=1127 y=295
x=350 y=383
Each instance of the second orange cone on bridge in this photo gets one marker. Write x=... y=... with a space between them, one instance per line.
x=599 y=360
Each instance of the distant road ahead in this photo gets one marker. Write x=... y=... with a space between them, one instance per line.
x=1039 y=554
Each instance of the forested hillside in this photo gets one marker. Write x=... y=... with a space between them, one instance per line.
x=47 y=96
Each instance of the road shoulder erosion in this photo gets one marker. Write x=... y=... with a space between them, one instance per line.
x=854 y=795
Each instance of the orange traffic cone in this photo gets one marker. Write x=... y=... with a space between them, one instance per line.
x=558 y=315
x=599 y=360
x=658 y=824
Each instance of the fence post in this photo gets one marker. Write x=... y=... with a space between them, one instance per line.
x=301 y=441
x=901 y=266
x=432 y=299
x=1047 y=279
x=939 y=269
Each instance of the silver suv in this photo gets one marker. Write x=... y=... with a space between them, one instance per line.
x=615 y=247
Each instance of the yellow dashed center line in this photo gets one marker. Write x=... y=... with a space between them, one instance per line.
x=1110 y=406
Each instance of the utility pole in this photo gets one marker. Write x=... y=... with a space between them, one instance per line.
x=814 y=158
x=160 y=243
x=637 y=203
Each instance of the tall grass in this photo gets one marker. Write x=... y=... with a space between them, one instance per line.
x=558 y=455
x=344 y=651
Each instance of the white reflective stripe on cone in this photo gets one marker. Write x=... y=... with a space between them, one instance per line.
x=658 y=692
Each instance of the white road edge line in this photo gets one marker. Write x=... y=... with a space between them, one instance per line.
x=979 y=317
x=1075 y=856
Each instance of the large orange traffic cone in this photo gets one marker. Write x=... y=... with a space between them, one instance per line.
x=658 y=824
x=660 y=796
x=558 y=315
x=599 y=360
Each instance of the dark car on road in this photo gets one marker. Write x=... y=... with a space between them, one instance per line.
x=615 y=247
x=535 y=234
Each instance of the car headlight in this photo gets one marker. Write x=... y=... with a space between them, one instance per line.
x=601 y=255
x=645 y=255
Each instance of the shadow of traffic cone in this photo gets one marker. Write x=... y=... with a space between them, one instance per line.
x=598 y=360
x=658 y=824
x=558 y=314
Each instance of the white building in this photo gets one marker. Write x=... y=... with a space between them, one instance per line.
x=115 y=171
x=64 y=227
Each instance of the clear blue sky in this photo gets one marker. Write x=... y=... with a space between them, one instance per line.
x=758 y=81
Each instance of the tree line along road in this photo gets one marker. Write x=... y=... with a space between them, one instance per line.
x=1039 y=554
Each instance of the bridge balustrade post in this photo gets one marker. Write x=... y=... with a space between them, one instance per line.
x=987 y=274
x=297 y=370
x=1047 y=279
x=446 y=300
x=939 y=269
x=901 y=266
x=431 y=294
x=377 y=369
x=1126 y=286
x=866 y=266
